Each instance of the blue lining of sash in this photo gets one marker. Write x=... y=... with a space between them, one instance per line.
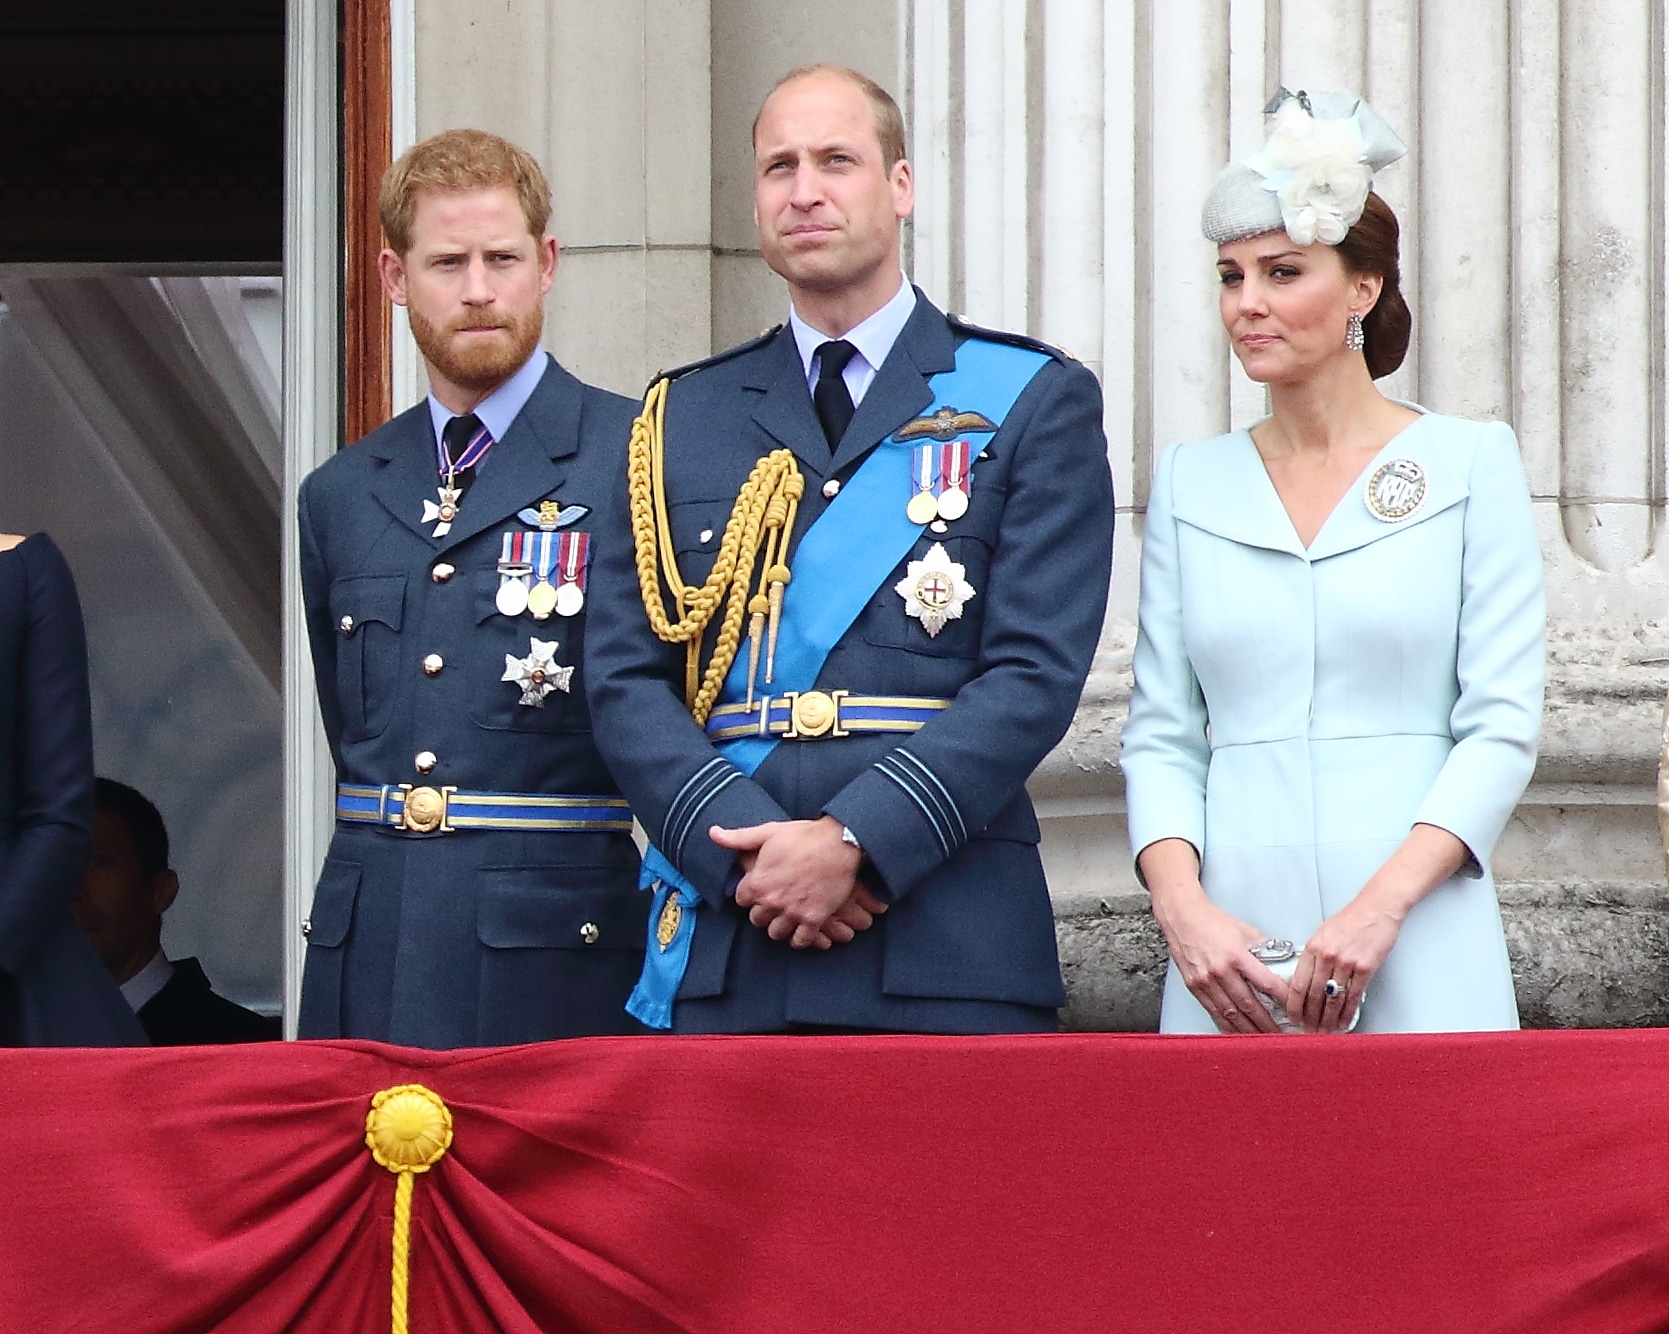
x=840 y=562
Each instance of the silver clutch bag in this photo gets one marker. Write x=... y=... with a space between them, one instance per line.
x=1281 y=958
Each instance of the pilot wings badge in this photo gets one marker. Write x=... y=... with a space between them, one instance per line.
x=934 y=589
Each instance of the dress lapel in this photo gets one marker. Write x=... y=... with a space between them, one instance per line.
x=1221 y=486
x=1352 y=524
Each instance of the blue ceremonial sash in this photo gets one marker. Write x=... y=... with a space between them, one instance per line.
x=840 y=562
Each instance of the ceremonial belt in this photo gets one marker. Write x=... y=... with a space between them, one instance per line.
x=431 y=810
x=806 y=715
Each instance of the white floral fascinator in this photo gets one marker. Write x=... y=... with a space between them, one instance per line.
x=1313 y=175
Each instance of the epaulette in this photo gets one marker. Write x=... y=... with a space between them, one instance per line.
x=1014 y=339
x=717 y=357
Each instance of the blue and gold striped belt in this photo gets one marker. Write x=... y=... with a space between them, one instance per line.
x=806 y=715
x=432 y=810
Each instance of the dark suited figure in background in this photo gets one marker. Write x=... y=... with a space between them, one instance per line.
x=480 y=888
x=127 y=888
x=842 y=837
x=53 y=990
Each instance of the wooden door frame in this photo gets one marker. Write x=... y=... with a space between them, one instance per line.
x=367 y=148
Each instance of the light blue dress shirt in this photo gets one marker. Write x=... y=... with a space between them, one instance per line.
x=501 y=407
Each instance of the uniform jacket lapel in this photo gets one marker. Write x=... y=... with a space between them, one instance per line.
x=899 y=390
x=784 y=410
x=527 y=464
x=523 y=467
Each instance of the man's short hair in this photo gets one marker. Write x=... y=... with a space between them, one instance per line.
x=455 y=162
x=889 y=120
x=143 y=821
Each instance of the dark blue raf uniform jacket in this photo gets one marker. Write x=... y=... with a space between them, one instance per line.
x=472 y=937
x=968 y=944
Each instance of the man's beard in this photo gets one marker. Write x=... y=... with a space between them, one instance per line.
x=477 y=363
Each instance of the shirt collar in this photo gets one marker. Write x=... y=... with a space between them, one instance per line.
x=144 y=985
x=501 y=407
x=873 y=337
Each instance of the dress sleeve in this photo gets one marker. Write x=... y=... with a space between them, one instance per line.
x=54 y=763
x=1500 y=661
x=1165 y=753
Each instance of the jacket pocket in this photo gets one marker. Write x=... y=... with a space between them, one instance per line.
x=980 y=927
x=887 y=623
x=329 y=923
x=496 y=704
x=561 y=948
x=366 y=611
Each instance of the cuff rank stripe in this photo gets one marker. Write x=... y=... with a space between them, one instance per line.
x=923 y=799
x=708 y=781
x=947 y=803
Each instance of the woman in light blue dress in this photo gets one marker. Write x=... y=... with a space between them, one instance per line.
x=1340 y=663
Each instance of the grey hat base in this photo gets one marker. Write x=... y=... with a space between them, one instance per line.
x=1239 y=206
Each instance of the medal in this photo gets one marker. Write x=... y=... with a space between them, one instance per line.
x=512 y=596
x=923 y=507
x=666 y=928
x=573 y=559
x=934 y=589
x=1395 y=490
x=446 y=511
x=443 y=515
x=513 y=571
x=538 y=673
x=541 y=598
x=953 y=501
x=541 y=601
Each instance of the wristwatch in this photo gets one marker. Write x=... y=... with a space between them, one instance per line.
x=847 y=836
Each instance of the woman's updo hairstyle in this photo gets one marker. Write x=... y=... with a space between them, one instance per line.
x=1370 y=246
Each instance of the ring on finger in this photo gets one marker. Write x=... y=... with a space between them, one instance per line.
x=1334 y=988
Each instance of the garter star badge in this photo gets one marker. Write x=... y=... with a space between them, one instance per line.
x=1395 y=490
x=934 y=589
x=537 y=674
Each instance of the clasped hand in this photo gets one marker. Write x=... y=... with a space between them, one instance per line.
x=799 y=881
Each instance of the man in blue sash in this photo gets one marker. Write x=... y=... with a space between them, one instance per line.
x=481 y=887
x=871 y=561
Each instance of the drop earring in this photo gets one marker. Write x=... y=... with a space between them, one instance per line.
x=1355 y=338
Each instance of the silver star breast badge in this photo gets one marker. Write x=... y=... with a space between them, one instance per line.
x=537 y=674
x=934 y=589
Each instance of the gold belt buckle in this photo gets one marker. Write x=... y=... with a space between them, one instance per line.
x=812 y=714
x=424 y=810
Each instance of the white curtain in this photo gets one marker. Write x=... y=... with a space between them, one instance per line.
x=170 y=378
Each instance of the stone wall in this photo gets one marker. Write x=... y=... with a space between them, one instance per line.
x=1062 y=148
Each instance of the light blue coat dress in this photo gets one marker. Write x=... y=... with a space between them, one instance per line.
x=1297 y=711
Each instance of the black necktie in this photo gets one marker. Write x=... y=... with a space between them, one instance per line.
x=833 y=399
x=455 y=437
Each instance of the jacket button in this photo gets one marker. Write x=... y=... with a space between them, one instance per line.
x=590 y=934
x=831 y=488
x=441 y=573
x=346 y=625
x=306 y=926
x=425 y=761
x=432 y=664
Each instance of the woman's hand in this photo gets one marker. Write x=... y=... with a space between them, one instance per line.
x=1347 y=949
x=1350 y=946
x=1211 y=949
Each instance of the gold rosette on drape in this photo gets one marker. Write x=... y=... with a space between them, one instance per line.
x=408 y=1131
